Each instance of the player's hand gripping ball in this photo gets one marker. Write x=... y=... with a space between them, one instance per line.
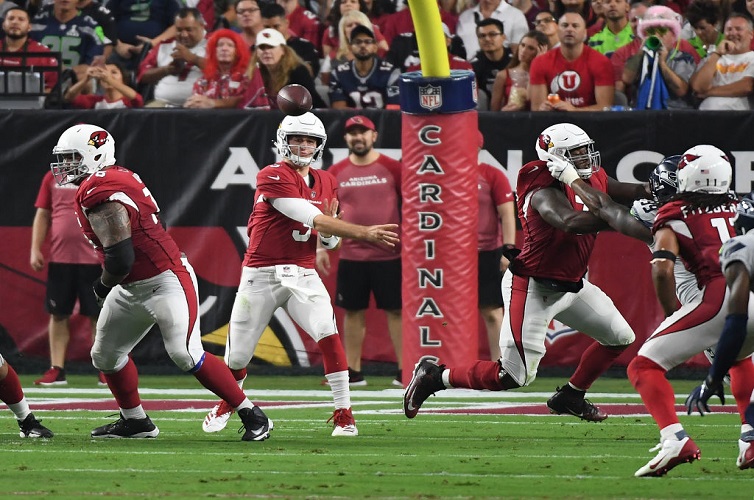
x=294 y=100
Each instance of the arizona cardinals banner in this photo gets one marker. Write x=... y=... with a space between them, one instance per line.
x=201 y=167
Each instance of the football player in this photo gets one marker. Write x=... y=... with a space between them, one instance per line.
x=692 y=225
x=12 y=395
x=737 y=260
x=294 y=207
x=546 y=280
x=145 y=281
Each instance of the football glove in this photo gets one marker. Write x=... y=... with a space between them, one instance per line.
x=701 y=394
x=561 y=169
x=100 y=291
x=510 y=252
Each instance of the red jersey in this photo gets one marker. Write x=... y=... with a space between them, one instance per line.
x=700 y=235
x=402 y=22
x=494 y=190
x=67 y=246
x=274 y=238
x=573 y=81
x=305 y=25
x=369 y=195
x=154 y=249
x=548 y=252
x=51 y=77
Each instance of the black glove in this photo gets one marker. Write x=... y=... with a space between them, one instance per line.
x=701 y=394
x=100 y=291
x=510 y=252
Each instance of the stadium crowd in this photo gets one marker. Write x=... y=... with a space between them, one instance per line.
x=576 y=55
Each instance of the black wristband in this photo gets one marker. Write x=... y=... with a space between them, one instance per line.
x=100 y=289
x=664 y=254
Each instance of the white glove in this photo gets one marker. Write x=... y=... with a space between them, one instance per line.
x=562 y=169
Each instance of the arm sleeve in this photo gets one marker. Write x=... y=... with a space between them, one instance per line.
x=297 y=209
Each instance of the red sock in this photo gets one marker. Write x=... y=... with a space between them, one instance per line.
x=742 y=384
x=333 y=355
x=125 y=385
x=10 y=387
x=216 y=376
x=239 y=374
x=596 y=359
x=478 y=375
x=648 y=378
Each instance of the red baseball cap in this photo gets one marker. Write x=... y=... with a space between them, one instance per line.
x=360 y=121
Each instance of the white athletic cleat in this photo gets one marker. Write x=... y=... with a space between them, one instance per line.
x=218 y=417
x=344 y=424
x=671 y=453
x=745 y=454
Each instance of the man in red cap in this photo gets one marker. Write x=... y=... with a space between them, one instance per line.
x=369 y=189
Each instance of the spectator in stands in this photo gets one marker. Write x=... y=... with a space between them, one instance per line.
x=341 y=51
x=369 y=192
x=104 y=18
x=301 y=21
x=529 y=9
x=250 y=22
x=402 y=22
x=65 y=29
x=704 y=18
x=273 y=16
x=572 y=77
x=668 y=84
x=279 y=66
x=379 y=12
x=547 y=24
x=635 y=13
x=224 y=82
x=725 y=78
x=174 y=66
x=16 y=26
x=514 y=24
x=111 y=79
x=454 y=61
x=617 y=31
x=72 y=267
x=492 y=55
x=135 y=18
x=367 y=81
x=330 y=36
x=510 y=92
x=582 y=7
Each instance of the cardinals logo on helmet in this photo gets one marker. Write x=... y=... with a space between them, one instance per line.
x=97 y=139
x=686 y=159
x=545 y=143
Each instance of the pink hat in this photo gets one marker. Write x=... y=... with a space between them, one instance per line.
x=659 y=16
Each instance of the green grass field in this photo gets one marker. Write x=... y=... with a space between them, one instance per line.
x=471 y=453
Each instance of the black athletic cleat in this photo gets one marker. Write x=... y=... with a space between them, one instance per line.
x=426 y=380
x=127 y=428
x=256 y=425
x=31 y=428
x=569 y=401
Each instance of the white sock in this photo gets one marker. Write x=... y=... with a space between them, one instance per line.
x=672 y=432
x=245 y=404
x=134 y=413
x=21 y=409
x=746 y=428
x=446 y=378
x=341 y=393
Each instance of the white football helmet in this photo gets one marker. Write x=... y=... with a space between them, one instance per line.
x=82 y=150
x=305 y=125
x=704 y=169
x=561 y=139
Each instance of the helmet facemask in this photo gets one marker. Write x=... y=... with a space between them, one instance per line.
x=69 y=167
x=296 y=153
x=584 y=157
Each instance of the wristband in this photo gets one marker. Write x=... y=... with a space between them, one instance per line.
x=664 y=254
x=569 y=176
x=330 y=242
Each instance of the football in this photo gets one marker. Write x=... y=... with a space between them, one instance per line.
x=294 y=100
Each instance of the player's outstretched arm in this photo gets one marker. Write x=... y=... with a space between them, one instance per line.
x=557 y=211
x=599 y=203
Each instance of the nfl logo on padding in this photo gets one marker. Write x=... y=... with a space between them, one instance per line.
x=430 y=97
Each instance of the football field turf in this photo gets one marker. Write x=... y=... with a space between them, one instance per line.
x=462 y=444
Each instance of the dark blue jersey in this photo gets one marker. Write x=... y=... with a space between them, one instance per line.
x=375 y=90
x=79 y=40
